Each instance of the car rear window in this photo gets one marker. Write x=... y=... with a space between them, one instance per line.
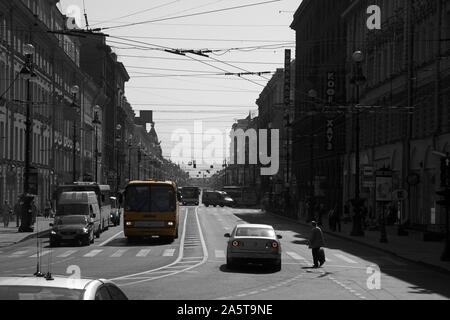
x=39 y=293
x=255 y=232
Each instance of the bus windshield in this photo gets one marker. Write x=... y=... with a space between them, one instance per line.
x=150 y=198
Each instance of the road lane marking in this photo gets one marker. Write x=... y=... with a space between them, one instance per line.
x=18 y=253
x=219 y=254
x=66 y=254
x=180 y=257
x=43 y=253
x=118 y=253
x=295 y=256
x=346 y=259
x=93 y=253
x=109 y=239
x=168 y=252
x=143 y=252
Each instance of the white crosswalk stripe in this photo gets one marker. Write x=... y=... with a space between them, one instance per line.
x=92 y=253
x=19 y=253
x=168 y=252
x=346 y=259
x=295 y=256
x=119 y=253
x=67 y=253
x=43 y=253
x=219 y=254
x=143 y=252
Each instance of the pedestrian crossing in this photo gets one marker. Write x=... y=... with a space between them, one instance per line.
x=336 y=257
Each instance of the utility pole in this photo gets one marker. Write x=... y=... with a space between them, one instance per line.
x=74 y=90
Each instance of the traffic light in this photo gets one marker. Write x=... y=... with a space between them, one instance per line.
x=445 y=172
x=446 y=200
x=195 y=164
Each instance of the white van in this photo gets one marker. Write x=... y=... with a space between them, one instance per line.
x=80 y=203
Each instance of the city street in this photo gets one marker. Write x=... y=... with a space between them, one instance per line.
x=193 y=267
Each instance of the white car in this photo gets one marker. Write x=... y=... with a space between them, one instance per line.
x=256 y=243
x=60 y=288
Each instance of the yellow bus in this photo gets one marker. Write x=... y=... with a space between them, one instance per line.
x=151 y=209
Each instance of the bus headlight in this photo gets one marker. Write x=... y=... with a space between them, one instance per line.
x=170 y=223
x=129 y=223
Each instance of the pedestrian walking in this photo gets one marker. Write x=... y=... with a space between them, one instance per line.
x=34 y=212
x=6 y=213
x=48 y=209
x=315 y=243
x=17 y=211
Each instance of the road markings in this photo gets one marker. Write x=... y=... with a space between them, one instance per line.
x=295 y=256
x=93 y=253
x=346 y=259
x=168 y=252
x=43 y=253
x=219 y=254
x=18 y=253
x=66 y=254
x=143 y=252
x=109 y=239
x=118 y=253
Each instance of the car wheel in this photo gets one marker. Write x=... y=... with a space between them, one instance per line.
x=230 y=263
x=221 y=205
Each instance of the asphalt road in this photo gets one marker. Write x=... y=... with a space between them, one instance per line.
x=193 y=266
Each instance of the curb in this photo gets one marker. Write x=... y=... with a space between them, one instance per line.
x=28 y=237
x=425 y=264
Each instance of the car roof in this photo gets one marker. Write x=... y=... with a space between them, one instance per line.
x=58 y=282
x=251 y=225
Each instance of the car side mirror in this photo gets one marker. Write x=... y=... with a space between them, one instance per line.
x=279 y=236
x=50 y=224
x=227 y=235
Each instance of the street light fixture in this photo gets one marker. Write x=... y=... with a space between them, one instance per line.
x=118 y=138
x=27 y=73
x=74 y=91
x=358 y=79
x=96 y=122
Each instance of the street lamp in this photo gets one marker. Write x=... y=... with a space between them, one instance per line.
x=358 y=79
x=74 y=91
x=27 y=73
x=118 y=138
x=96 y=122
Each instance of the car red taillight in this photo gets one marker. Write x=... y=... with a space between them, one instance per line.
x=235 y=243
x=275 y=244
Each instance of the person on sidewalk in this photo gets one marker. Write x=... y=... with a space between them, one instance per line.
x=315 y=243
x=6 y=212
x=17 y=211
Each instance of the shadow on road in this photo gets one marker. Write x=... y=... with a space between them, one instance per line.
x=144 y=242
x=248 y=269
x=422 y=280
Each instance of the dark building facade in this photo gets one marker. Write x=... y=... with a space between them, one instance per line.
x=319 y=126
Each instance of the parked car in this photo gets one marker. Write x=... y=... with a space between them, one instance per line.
x=216 y=198
x=115 y=211
x=254 y=243
x=59 y=288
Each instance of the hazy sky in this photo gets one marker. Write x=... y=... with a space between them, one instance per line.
x=181 y=89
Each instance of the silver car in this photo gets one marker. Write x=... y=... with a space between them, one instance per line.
x=60 y=288
x=256 y=243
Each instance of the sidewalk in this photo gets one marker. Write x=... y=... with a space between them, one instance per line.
x=10 y=236
x=410 y=247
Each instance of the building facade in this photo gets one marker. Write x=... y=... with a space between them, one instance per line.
x=320 y=91
x=408 y=79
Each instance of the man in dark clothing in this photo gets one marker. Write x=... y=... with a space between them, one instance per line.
x=316 y=241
